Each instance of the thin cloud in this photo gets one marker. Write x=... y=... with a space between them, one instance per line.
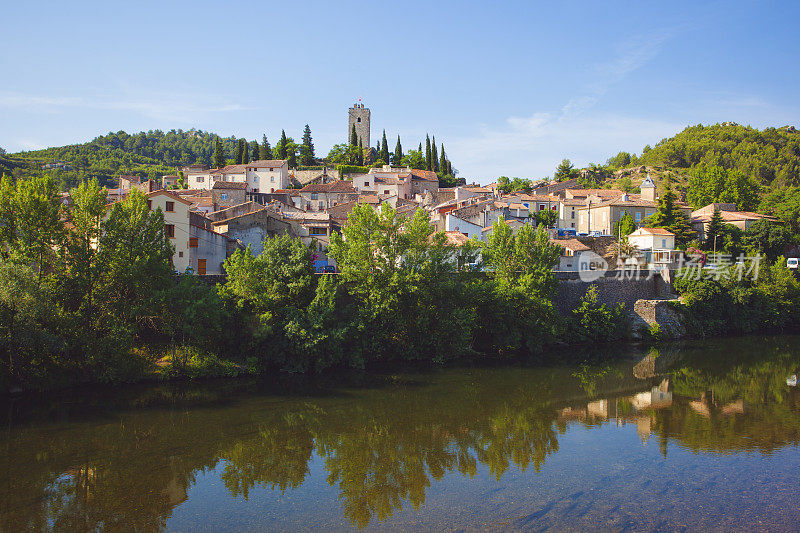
x=166 y=107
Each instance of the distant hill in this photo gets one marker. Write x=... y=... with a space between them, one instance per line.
x=771 y=155
x=147 y=154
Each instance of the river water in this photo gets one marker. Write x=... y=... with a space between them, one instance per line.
x=699 y=436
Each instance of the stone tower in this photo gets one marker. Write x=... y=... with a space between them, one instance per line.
x=358 y=115
x=648 y=189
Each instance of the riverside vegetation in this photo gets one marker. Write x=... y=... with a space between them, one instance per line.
x=88 y=294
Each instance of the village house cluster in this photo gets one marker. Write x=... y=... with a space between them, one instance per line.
x=240 y=205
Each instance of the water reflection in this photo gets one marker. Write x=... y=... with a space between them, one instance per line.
x=125 y=460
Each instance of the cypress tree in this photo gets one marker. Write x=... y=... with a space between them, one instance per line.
x=420 y=148
x=353 y=137
x=254 y=150
x=434 y=156
x=385 y=149
x=307 y=148
x=265 y=152
x=714 y=230
x=428 y=164
x=219 y=153
x=443 y=162
x=360 y=152
x=245 y=151
x=398 y=152
x=239 y=151
x=450 y=168
x=282 y=145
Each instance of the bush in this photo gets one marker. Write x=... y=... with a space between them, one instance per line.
x=598 y=322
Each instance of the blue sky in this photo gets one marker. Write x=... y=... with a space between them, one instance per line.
x=511 y=88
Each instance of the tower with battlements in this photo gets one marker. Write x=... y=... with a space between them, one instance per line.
x=358 y=115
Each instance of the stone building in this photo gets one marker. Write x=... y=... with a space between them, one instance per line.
x=359 y=115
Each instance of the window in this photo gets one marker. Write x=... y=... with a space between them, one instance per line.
x=320 y=206
x=255 y=190
x=638 y=216
x=170 y=207
x=366 y=184
x=255 y=179
x=573 y=224
x=386 y=192
x=200 y=179
x=223 y=196
x=170 y=231
x=541 y=207
x=663 y=243
x=272 y=179
x=358 y=119
x=573 y=214
x=317 y=231
x=192 y=242
x=180 y=254
x=314 y=196
x=201 y=267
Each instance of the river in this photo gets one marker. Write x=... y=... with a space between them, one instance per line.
x=699 y=436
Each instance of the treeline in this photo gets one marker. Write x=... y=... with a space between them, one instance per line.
x=431 y=158
x=72 y=311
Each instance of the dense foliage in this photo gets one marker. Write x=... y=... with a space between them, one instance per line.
x=725 y=303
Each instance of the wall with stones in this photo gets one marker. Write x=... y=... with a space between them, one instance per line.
x=611 y=289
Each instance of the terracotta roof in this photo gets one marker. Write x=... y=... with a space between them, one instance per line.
x=656 y=231
x=427 y=175
x=230 y=185
x=165 y=192
x=341 y=186
x=261 y=163
x=571 y=244
x=602 y=193
x=315 y=187
x=619 y=201
x=456 y=238
x=735 y=216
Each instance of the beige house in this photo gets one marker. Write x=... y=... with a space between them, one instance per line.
x=176 y=222
x=228 y=193
x=320 y=197
x=701 y=218
x=600 y=215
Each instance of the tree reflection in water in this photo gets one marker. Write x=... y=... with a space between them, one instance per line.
x=126 y=460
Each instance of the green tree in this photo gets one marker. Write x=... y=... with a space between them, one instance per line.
x=134 y=266
x=281 y=148
x=397 y=159
x=565 y=171
x=353 y=136
x=254 y=151
x=625 y=226
x=414 y=159
x=384 y=154
x=714 y=230
x=245 y=152
x=307 y=148
x=434 y=155
x=82 y=266
x=240 y=145
x=443 y=162
x=670 y=217
x=219 y=154
x=265 y=151
x=428 y=162
x=767 y=238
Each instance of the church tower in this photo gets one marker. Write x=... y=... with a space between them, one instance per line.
x=358 y=115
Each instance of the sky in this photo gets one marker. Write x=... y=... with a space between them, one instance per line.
x=510 y=88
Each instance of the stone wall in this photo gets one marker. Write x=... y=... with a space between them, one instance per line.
x=661 y=313
x=611 y=289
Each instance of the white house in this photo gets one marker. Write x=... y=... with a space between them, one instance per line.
x=469 y=229
x=657 y=247
x=570 y=259
x=260 y=176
